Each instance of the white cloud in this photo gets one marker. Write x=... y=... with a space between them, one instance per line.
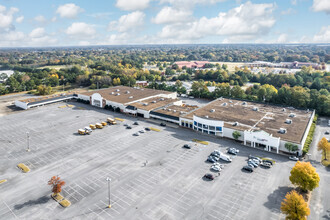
x=53 y=19
x=84 y=43
x=323 y=36
x=127 y=23
x=172 y=15
x=38 y=32
x=20 y=19
x=294 y=2
x=321 y=5
x=40 y=19
x=81 y=30
x=283 y=38
x=289 y=11
x=132 y=5
x=184 y=4
x=244 y=22
x=69 y=10
x=7 y=17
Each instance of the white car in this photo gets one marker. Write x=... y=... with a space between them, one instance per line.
x=294 y=158
x=225 y=158
x=219 y=165
x=136 y=134
x=216 y=168
x=142 y=131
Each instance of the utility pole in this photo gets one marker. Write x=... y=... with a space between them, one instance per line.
x=109 y=180
x=28 y=141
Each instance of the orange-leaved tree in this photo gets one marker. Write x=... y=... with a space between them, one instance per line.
x=57 y=184
x=304 y=175
x=324 y=146
x=294 y=206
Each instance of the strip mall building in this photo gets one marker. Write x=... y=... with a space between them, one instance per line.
x=258 y=125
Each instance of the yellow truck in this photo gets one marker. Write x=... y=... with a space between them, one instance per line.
x=93 y=127
x=104 y=123
x=84 y=131
x=98 y=125
x=111 y=121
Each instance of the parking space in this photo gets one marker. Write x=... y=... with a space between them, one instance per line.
x=152 y=175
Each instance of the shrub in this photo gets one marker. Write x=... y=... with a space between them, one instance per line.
x=310 y=135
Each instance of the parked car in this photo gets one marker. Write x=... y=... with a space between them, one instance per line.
x=252 y=163
x=142 y=131
x=326 y=132
x=255 y=161
x=163 y=124
x=211 y=159
x=248 y=168
x=216 y=168
x=209 y=176
x=215 y=157
x=128 y=127
x=147 y=129
x=125 y=124
x=268 y=161
x=217 y=154
x=219 y=165
x=188 y=146
x=136 y=134
x=233 y=151
x=294 y=158
x=253 y=157
x=225 y=158
x=266 y=165
x=136 y=123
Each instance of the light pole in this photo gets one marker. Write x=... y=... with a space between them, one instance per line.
x=28 y=141
x=109 y=180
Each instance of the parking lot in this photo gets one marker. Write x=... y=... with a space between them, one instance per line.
x=169 y=186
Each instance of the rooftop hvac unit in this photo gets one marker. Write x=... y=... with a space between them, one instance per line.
x=118 y=94
x=282 y=130
x=244 y=103
x=164 y=109
x=174 y=110
x=255 y=109
x=128 y=92
x=235 y=123
x=292 y=115
x=288 y=121
x=169 y=109
x=284 y=110
x=224 y=104
x=145 y=104
x=212 y=110
x=130 y=97
x=181 y=112
x=206 y=116
x=154 y=101
x=112 y=93
x=230 y=101
x=162 y=99
x=117 y=90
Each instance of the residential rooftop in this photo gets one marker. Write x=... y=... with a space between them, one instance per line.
x=245 y=115
x=125 y=94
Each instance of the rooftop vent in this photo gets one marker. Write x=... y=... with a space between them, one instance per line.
x=164 y=109
x=224 y=104
x=130 y=97
x=255 y=109
x=174 y=110
x=292 y=115
x=235 y=123
x=118 y=94
x=206 y=116
x=284 y=110
x=181 y=112
x=230 y=101
x=282 y=130
x=145 y=104
x=112 y=93
x=244 y=103
x=162 y=99
x=288 y=121
x=212 y=110
x=117 y=90
x=154 y=101
x=169 y=109
x=128 y=92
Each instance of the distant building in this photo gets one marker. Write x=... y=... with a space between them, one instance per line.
x=290 y=65
x=142 y=83
x=191 y=64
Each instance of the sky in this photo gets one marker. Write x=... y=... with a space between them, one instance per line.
x=40 y=23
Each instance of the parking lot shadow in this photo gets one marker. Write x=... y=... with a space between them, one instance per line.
x=276 y=197
x=41 y=200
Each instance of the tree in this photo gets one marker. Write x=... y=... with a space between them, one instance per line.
x=44 y=90
x=291 y=147
x=236 y=134
x=304 y=175
x=294 y=206
x=57 y=184
x=324 y=146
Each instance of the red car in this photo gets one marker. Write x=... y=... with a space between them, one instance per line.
x=209 y=176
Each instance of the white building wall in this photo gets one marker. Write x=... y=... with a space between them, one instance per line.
x=20 y=104
x=282 y=147
x=228 y=133
x=84 y=97
x=144 y=112
x=115 y=104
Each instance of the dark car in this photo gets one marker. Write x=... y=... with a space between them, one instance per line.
x=327 y=132
x=187 y=146
x=163 y=124
x=128 y=127
x=268 y=161
x=209 y=176
x=147 y=129
x=231 y=151
x=248 y=168
x=136 y=123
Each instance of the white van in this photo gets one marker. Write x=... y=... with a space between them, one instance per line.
x=225 y=158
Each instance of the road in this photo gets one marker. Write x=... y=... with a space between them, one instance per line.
x=320 y=201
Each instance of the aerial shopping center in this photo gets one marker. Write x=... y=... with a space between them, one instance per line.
x=257 y=125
